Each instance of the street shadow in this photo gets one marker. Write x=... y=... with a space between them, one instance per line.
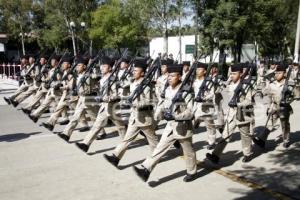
x=272 y=183
x=271 y=145
x=177 y=175
x=16 y=136
x=121 y=167
x=100 y=151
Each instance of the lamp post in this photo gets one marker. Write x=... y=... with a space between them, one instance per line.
x=296 y=51
x=72 y=29
x=22 y=41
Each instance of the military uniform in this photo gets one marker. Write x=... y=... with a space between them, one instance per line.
x=52 y=96
x=141 y=119
x=108 y=105
x=24 y=86
x=86 y=89
x=33 y=87
x=241 y=117
x=204 y=111
x=180 y=129
x=41 y=91
x=278 y=111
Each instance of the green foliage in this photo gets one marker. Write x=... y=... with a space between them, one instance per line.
x=114 y=26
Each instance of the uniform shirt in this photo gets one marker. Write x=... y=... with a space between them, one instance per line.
x=160 y=84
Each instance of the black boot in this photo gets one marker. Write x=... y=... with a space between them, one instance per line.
x=26 y=111
x=65 y=122
x=259 y=142
x=82 y=146
x=14 y=103
x=7 y=100
x=84 y=129
x=189 y=177
x=247 y=159
x=143 y=173
x=212 y=158
x=64 y=137
x=177 y=144
x=286 y=144
x=101 y=137
x=48 y=126
x=211 y=146
x=114 y=160
x=33 y=118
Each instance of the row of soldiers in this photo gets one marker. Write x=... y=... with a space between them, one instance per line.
x=183 y=95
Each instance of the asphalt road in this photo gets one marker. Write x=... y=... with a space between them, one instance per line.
x=37 y=164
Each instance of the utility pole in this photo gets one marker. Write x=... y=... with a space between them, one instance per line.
x=296 y=53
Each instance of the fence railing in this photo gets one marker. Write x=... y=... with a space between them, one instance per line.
x=10 y=71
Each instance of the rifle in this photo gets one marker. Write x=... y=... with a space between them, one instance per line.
x=45 y=69
x=146 y=81
x=239 y=89
x=286 y=93
x=31 y=68
x=185 y=86
x=129 y=69
x=56 y=71
x=206 y=84
x=112 y=78
x=89 y=69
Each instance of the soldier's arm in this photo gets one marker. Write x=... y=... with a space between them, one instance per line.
x=187 y=113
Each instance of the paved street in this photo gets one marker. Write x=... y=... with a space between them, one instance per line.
x=36 y=164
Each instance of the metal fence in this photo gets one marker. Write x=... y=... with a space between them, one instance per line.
x=10 y=71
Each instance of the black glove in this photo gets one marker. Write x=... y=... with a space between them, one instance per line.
x=168 y=116
x=57 y=87
x=129 y=101
x=232 y=104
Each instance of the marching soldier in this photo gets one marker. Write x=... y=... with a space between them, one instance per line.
x=162 y=79
x=109 y=98
x=295 y=76
x=203 y=106
x=218 y=97
x=237 y=116
x=186 y=68
x=26 y=83
x=53 y=89
x=280 y=105
x=67 y=98
x=42 y=91
x=141 y=117
x=179 y=128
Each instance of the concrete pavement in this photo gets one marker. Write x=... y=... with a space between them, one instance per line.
x=37 y=164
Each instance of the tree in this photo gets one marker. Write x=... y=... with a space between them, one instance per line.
x=114 y=25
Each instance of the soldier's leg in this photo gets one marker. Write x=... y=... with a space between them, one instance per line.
x=21 y=89
x=285 y=126
x=57 y=113
x=228 y=130
x=165 y=143
x=45 y=105
x=99 y=124
x=74 y=120
x=131 y=134
x=36 y=99
x=246 y=138
x=211 y=130
x=152 y=138
x=189 y=155
x=265 y=134
x=120 y=126
x=31 y=90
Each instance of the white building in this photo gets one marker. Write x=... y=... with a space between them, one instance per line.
x=187 y=46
